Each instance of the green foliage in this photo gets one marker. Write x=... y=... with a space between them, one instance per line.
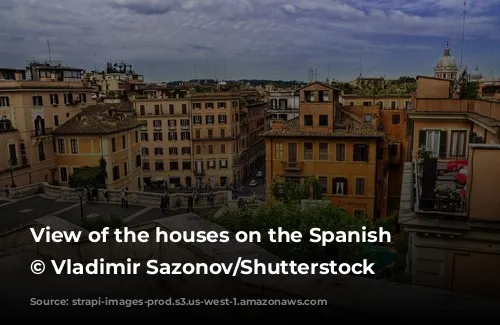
x=389 y=224
x=424 y=153
x=294 y=191
x=290 y=217
x=469 y=90
x=100 y=222
x=87 y=176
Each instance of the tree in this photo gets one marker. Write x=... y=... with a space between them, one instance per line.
x=294 y=191
x=468 y=89
x=87 y=176
x=290 y=217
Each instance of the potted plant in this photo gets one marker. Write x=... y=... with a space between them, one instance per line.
x=424 y=154
x=447 y=199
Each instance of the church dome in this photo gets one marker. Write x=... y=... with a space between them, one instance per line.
x=476 y=75
x=447 y=62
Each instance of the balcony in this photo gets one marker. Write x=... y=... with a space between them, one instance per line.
x=293 y=165
x=172 y=127
x=184 y=127
x=41 y=132
x=199 y=172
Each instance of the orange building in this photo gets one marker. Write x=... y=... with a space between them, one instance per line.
x=347 y=156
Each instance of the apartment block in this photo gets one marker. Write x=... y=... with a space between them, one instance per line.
x=33 y=103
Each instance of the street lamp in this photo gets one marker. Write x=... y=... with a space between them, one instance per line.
x=80 y=191
x=11 y=166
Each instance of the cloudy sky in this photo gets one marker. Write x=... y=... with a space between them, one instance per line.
x=272 y=39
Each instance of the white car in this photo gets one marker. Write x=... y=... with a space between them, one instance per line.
x=253 y=183
x=259 y=174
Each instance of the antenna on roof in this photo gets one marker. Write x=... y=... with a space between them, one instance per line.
x=328 y=75
x=463 y=34
x=50 y=56
x=360 y=67
x=315 y=74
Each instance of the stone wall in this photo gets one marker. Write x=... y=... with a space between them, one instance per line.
x=345 y=294
x=138 y=198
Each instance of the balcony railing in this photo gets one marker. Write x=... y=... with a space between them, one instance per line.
x=293 y=165
x=199 y=172
x=41 y=132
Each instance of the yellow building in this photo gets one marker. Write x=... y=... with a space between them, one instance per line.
x=33 y=103
x=100 y=132
x=334 y=146
x=166 y=140
x=116 y=79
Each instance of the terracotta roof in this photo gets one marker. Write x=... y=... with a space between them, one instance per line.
x=347 y=126
x=98 y=119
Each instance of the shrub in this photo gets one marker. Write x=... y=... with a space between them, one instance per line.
x=87 y=176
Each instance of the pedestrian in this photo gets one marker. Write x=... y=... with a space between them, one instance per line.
x=7 y=190
x=162 y=205
x=190 y=203
x=211 y=198
x=95 y=193
x=166 y=197
x=126 y=197
x=106 y=194
x=122 y=194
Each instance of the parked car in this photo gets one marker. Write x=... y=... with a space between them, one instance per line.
x=253 y=183
x=259 y=174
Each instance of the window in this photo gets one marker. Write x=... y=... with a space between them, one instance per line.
x=360 y=186
x=308 y=151
x=136 y=136
x=360 y=152
x=393 y=104
x=323 y=120
x=41 y=152
x=197 y=134
x=368 y=118
x=198 y=150
x=209 y=119
x=144 y=136
x=222 y=119
x=185 y=135
x=211 y=164
x=137 y=161
x=292 y=153
x=37 y=101
x=142 y=110
x=186 y=165
x=221 y=105
x=222 y=148
x=56 y=120
x=433 y=140
x=323 y=181
x=157 y=110
x=279 y=151
x=308 y=120
x=74 y=145
x=340 y=152
x=223 y=163
x=145 y=165
x=407 y=104
x=174 y=165
x=113 y=144
x=209 y=105
x=4 y=101
x=158 y=136
x=159 y=166
x=396 y=118
x=323 y=151
x=185 y=124
x=210 y=134
x=124 y=142
x=367 y=103
x=186 y=150
x=156 y=124
x=184 y=109
x=54 y=99
x=64 y=174
x=196 y=105
x=83 y=98
x=116 y=173
x=210 y=149
x=68 y=99
x=145 y=151
x=171 y=109
x=125 y=168
x=458 y=143
x=159 y=151
x=222 y=133
x=393 y=149
x=339 y=186
x=172 y=124
x=309 y=96
x=60 y=146
x=359 y=213
x=351 y=103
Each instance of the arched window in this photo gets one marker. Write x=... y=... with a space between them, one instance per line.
x=39 y=126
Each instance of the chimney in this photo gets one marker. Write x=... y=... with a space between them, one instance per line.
x=18 y=75
x=277 y=124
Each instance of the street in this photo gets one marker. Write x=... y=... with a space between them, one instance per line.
x=260 y=189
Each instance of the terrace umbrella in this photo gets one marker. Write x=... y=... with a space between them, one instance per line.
x=453 y=166
x=461 y=178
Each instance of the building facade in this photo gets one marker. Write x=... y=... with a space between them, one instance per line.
x=397 y=102
x=283 y=104
x=326 y=141
x=100 y=132
x=33 y=103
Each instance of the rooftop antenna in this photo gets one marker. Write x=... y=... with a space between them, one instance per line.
x=328 y=75
x=195 y=72
x=360 y=67
x=50 y=56
x=463 y=35
x=315 y=74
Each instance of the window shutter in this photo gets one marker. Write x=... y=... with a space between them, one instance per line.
x=334 y=185
x=422 y=134
x=442 y=143
x=345 y=186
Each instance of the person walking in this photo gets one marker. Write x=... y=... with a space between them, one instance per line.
x=162 y=205
x=123 y=198
x=167 y=200
x=7 y=190
x=190 y=203
x=126 y=197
